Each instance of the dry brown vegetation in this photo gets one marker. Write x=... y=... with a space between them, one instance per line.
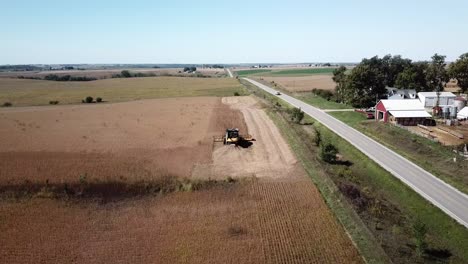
x=255 y=222
x=304 y=83
x=276 y=215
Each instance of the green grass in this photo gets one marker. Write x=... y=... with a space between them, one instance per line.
x=431 y=156
x=251 y=72
x=22 y=92
x=350 y=118
x=444 y=232
x=320 y=102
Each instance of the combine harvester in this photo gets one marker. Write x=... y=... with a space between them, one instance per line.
x=232 y=136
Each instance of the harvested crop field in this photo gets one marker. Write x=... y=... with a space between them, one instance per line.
x=108 y=73
x=270 y=213
x=133 y=140
x=252 y=222
x=23 y=92
x=304 y=83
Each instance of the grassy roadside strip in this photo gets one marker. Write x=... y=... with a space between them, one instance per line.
x=401 y=206
x=367 y=245
x=361 y=236
x=427 y=154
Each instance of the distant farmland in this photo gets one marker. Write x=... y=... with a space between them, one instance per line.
x=24 y=92
x=286 y=72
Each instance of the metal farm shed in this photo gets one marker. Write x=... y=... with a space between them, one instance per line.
x=429 y=99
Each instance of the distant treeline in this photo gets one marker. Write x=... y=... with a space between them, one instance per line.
x=60 y=78
x=20 y=68
x=128 y=74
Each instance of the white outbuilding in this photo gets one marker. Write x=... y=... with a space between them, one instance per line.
x=429 y=99
x=463 y=114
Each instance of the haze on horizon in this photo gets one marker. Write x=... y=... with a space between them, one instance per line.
x=144 y=31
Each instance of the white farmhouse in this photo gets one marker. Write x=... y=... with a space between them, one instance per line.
x=429 y=99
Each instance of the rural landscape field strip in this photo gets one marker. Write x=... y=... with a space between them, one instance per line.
x=448 y=199
x=23 y=92
x=287 y=235
x=277 y=216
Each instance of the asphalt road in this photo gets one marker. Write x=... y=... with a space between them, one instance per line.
x=447 y=198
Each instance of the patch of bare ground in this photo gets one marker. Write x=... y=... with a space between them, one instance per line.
x=133 y=140
x=269 y=156
x=304 y=83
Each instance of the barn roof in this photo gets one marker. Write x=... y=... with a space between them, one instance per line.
x=403 y=104
x=418 y=113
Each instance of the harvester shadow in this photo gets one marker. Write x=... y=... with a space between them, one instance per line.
x=245 y=144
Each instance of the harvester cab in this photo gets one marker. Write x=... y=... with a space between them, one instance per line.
x=232 y=136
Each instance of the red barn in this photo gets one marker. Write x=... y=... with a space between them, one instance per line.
x=409 y=112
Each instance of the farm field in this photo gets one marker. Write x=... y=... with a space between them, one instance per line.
x=304 y=83
x=271 y=213
x=132 y=140
x=284 y=72
x=22 y=92
x=107 y=73
x=257 y=222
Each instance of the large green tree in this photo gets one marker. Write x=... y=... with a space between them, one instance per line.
x=366 y=83
x=437 y=75
x=339 y=77
x=459 y=71
x=392 y=66
x=413 y=77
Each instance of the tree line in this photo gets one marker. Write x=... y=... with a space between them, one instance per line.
x=367 y=82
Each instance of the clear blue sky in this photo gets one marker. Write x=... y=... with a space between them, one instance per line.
x=148 y=31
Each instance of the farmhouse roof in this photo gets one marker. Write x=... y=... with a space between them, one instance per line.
x=417 y=113
x=403 y=105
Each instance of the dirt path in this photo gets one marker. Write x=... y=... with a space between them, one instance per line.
x=268 y=157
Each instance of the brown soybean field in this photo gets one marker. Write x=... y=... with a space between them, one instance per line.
x=257 y=204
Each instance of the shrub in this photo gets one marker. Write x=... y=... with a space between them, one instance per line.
x=328 y=153
x=318 y=137
x=53 y=102
x=7 y=104
x=420 y=231
x=126 y=74
x=296 y=115
x=89 y=99
x=99 y=99
x=354 y=194
x=236 y=94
